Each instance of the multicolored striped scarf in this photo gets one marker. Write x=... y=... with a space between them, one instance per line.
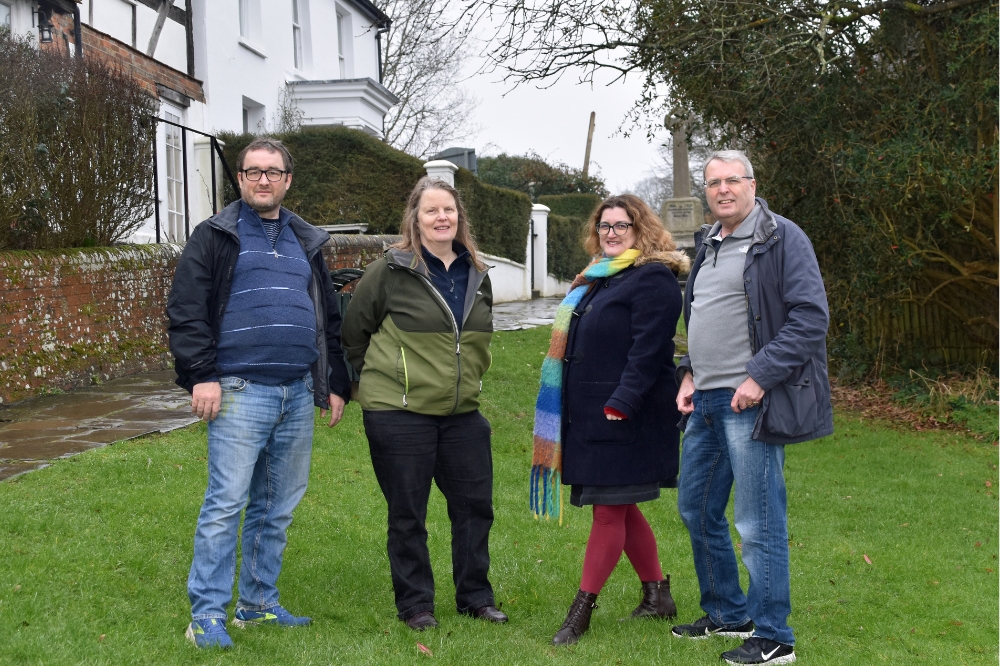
x=546 y=461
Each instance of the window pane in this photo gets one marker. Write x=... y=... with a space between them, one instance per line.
x=297 y=46
x=244 y=18
x=4 y=15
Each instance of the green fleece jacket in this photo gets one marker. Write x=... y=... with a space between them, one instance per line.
x=401 y=336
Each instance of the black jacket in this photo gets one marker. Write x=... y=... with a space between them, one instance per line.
x=619 y=354
x=200 y=292
x=787 y=320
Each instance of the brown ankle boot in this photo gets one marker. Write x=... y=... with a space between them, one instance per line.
x=577 y=619
x=656 y=600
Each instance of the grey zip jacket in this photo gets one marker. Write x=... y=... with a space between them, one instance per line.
x=787 y=321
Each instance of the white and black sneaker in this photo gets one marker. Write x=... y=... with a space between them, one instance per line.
x=758 y=650
x=704 y=627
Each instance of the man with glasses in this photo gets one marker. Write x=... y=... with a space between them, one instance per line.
x=255 y=334
x=755 y=379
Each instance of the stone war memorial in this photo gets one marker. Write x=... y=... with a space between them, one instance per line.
x=682 y=214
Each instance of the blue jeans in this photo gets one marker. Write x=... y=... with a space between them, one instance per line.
x=258 y=447
x=717 y=451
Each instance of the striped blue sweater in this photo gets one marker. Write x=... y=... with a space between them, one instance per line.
x=268 y=331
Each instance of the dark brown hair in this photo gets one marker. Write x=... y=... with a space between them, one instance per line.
x=409 y=228
x=271 y=146
x=654 y=242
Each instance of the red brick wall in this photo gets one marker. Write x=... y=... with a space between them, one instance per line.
x=146 y=71
x=73 y=318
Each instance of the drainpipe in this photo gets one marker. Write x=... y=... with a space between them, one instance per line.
x=77 y=30
x=382 y=29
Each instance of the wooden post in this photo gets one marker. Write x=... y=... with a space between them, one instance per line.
x=590 y=140
x=161 y=18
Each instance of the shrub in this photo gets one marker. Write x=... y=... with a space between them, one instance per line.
x=346 y=176
x=76 y=142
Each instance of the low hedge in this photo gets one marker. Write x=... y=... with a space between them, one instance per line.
x=346 y=176
x=571 y=205
x=566 y=256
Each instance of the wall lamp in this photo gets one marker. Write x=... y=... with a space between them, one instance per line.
x=44 y=28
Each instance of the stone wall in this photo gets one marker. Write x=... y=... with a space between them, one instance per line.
x=78 y=317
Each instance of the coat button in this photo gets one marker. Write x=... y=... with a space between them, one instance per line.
x=757 y=318
x=747 y=280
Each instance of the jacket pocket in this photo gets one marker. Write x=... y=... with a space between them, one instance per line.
x=586 y=410
x=793 y=406
x=403 y=373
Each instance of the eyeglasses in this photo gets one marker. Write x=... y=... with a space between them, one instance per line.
x=255 y=174
x=732 y=181
x=620 y=228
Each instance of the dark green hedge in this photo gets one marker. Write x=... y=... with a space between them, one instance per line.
x=571 y=205
x=566 y=255
x=499 y=218
x=344 y=176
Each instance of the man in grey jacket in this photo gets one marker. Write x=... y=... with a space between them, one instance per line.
x=755 y=379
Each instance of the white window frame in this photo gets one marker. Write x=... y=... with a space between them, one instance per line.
x=342 y=23
x=297 y=53
x=174 y=176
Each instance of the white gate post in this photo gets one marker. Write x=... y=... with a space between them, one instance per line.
x=539 y=249
x=442 y=169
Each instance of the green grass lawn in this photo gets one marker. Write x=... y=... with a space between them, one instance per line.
x=96 y=549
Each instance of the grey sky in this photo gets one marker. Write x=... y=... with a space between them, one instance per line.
x=553 y=123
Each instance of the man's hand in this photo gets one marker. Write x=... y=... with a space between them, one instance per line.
x=749 y=394
x=206 y=400
x=336 y=410
x=684 y=393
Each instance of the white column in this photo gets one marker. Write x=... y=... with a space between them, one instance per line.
x=442 y=169
x=539 y=256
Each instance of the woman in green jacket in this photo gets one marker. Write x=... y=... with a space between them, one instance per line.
x=418 y=330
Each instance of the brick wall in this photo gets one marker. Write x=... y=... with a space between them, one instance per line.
x=145 y=70
x=74 y=318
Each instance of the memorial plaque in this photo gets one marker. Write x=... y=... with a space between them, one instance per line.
x=683 y=217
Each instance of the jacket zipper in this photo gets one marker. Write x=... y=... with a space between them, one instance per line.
x=458 y=341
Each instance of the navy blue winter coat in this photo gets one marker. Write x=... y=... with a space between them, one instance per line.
x=787 y=321
x=620 y=354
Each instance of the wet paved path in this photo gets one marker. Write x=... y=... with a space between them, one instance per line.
x=36 y=432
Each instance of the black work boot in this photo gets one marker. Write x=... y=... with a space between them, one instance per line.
x=577 y=619
x=656 y=600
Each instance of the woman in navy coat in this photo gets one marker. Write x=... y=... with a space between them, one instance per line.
x=619 y=434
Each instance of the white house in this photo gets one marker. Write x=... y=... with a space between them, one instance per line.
x=222 y=65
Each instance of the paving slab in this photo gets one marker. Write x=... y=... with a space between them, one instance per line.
x=36 y=432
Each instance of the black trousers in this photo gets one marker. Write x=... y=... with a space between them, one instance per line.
x=408 y=451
